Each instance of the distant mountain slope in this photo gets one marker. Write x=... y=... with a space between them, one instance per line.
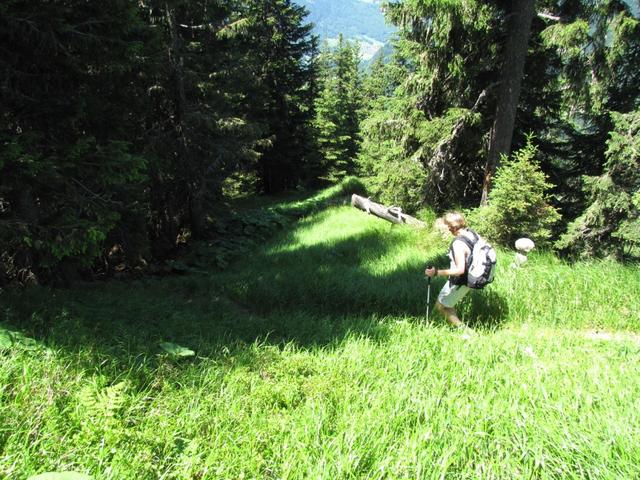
x=360 y=20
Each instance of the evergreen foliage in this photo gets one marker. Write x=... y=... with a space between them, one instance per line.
x=283 y=68
x=611 y=223
x=125 y=128
x=338 y=106
x=448 y=54
x=199 y=129
x=519 y=203
x=592 y=56
x=435 y=126
x=123 y=123
x=400 y=142
x=69 y=167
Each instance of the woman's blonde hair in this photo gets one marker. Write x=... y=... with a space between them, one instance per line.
x=455 y=221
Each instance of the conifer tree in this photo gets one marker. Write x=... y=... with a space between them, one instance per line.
x=283 y=53
x=199 y=128
x=519 y=204
x=448 y=53
x=610 y=226
x=338 y=108
x=389 y=175
x=513 y=59
x=596 y=46
x=577 y=66
x=70 y=175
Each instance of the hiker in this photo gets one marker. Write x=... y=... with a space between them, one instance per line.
x=456 y=287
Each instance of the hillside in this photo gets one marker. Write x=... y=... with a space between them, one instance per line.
x=312 y=357
x=359 y=20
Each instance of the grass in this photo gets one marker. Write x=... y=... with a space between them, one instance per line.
x=314 y=359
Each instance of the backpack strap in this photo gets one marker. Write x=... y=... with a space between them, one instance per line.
x=464 y=239
x=469 y=243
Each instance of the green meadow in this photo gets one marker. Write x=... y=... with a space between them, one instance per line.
x=314 y=357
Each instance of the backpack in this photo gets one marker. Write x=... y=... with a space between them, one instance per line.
x=481 y=264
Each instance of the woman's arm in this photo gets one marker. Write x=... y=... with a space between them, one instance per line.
x=459 y=258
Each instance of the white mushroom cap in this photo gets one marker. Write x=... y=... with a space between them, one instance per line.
x=524 y=244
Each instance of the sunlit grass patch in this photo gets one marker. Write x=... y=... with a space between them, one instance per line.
x=313 y=358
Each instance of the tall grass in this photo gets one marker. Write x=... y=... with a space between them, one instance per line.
x=315 y=359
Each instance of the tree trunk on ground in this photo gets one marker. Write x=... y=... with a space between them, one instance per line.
x=391 y=214
x=511 y=78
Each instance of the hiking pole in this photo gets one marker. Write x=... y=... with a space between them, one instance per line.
x=428 y=293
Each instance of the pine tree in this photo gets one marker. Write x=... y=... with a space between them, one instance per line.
x=519 y=203
x=390 y=176
x=610 y=226
x=283 y=55
x=123 y=122
x=70 y=173
x=577 y=65
x=450 y=61
x=199 y=127
x=337 y=109
x=515 y=54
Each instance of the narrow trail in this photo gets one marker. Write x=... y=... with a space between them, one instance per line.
x=593 y=334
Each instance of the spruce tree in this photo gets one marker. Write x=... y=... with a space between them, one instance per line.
x=519 y=203
x=610 y=226
x=390 y=176
x=578 y=65
x=337 y=109
x=447 y=51
x=71 y=176
x=513 y=60
x=199 y=131
x=283 y=55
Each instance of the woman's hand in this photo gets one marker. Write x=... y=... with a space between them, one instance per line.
x=431 y=271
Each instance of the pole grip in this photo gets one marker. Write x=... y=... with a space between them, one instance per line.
x=429 y=278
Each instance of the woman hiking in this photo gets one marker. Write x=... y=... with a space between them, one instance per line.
x=456 y=287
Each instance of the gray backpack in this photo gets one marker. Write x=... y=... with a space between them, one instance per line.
x=481 y=264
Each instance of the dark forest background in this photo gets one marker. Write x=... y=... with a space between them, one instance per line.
x=126 y=128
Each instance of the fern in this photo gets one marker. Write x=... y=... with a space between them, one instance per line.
x=98 y=409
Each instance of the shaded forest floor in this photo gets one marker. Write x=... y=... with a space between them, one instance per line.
x=313 y=358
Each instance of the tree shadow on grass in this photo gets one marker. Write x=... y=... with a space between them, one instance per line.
x=347 y=278
x=310 y=295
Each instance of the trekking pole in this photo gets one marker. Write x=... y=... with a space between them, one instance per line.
x=428 y=293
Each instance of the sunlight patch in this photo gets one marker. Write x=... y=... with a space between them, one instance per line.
x=329 y=226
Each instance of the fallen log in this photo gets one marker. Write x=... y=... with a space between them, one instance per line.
x=391 y=214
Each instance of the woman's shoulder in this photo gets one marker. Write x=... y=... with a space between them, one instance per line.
x=464 y=239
